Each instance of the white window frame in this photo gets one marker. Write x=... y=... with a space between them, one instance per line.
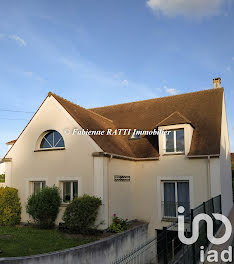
x=32 y=185
x=176 y=196
x=174 y=135
x=71 y=189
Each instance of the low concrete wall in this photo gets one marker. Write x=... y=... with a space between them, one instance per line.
x=99 y=252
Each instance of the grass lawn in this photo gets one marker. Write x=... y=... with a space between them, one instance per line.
x=26 y=241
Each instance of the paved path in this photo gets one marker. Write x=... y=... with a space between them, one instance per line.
x=222 y=247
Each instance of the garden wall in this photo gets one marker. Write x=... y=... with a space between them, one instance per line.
x=104 y=251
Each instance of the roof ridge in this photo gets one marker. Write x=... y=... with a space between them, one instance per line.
x=162 y=97
x=89 y=110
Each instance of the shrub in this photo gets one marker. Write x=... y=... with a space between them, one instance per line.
x=118 y=224
x=2 y=177
x=81 y=213
x=10 y=208
x=43 y=206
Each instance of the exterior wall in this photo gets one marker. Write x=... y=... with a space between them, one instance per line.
x=122 y=194
x=105 y=251
x=75 y=162
x=225 y=165
x=141 y=198
x=215 y=180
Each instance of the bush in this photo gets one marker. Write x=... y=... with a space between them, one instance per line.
x=81 y=213
x=10 y=208
x=2 y=177
x=118 y=224
x=43 y=206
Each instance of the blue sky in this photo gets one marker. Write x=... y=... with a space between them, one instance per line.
x=97 y=53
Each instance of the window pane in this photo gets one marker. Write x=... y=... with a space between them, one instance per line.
x=66 y=192
x=169 y=199
x=58 y=140
x=183 y=196
x=43 y=185
x=44 y=144
x=180 y=140
x=75 y=189
x=36 y=187
x=170 y=142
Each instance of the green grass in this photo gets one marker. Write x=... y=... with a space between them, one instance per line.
x=26 y=241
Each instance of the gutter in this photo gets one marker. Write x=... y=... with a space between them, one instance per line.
x=111 y=155
x=204 y=156
x=6 y=160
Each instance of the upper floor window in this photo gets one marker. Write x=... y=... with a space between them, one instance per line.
x=136 y=134
x=52 y=139
x=175 y=141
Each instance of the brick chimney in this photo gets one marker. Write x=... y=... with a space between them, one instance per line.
x=217 y=82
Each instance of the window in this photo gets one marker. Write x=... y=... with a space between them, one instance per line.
x=175 y=194
x=52 y=139
x=37 y=186
x=69 y=190
x=136 y=134
x=175 y=141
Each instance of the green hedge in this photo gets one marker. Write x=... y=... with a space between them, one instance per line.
x=81 y=213
x=2 y=177
x=43 y=206
x=10 y=208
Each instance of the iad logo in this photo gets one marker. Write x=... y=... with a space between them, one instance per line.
x=211 y=238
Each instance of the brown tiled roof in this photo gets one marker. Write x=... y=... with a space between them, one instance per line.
x=174 y=119
x=202 y=109
x=11 y=142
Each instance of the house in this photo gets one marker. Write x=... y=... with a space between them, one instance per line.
x=143 y=176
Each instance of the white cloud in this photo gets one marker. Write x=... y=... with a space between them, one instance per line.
x=228 y=69
x=188 y=8
x=18 y=39
x=233 y=58
x=125 y=83
x=171 y=91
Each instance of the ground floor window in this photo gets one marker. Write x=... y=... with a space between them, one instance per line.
x=175 y=194
x=69 y=190
x=37 y=186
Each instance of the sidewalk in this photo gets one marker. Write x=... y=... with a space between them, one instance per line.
x=230 y=242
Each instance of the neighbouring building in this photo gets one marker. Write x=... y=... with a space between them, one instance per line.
x=143 y=177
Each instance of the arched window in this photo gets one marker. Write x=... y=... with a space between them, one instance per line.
x=52 y=139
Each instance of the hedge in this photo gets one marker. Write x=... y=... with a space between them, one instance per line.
x=10 y=207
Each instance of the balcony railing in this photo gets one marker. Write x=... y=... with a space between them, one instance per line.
x=170 y=209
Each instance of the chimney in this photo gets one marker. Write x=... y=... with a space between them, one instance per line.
x=217 y=82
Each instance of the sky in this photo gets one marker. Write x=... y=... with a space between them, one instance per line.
x=105 y=52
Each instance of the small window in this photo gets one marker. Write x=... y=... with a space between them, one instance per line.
x=175 y=141
x=53 y=139
x=136 y=134
x=37 y=186
x=175 y=194
x=69 y=190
